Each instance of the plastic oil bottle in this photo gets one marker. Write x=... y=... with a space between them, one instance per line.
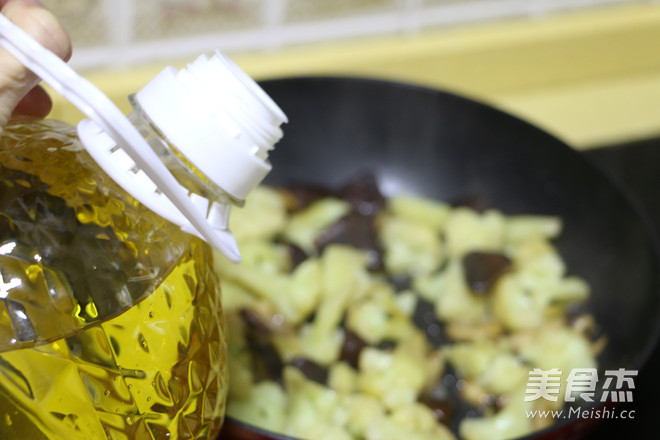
x=110 y=314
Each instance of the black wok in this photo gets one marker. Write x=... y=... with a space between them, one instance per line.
x=440 y=145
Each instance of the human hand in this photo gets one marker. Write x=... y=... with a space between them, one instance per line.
x=20 y=92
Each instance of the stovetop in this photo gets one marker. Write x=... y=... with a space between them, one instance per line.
x=636 y=168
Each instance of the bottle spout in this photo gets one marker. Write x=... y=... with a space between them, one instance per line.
x=226 y=243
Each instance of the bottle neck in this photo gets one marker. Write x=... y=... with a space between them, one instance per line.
x=195 y=144
x=190 y=177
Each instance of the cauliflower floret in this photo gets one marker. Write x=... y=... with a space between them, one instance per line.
x=510 y=422
x=505 y=375
x=240 y=358
x=304 y=291
x=410 y=422
x=320 y=344
x=541 y=268
x=538 y=259
x=265 y=407
x=492 y=366
x=524 y=300
x=236 y=297
x=406 y=302
x=363 y=411
x=561 y=348
x=377 y=318
x=408 y=246
x=424 y=211
x=467 y=230
x=342 y=378
x=294 y=295
x=343 y=279
x=263 y=215
x=415 y=416
x=471 y=359
x=306 y=225
x=333 y=433
x=453 y=299
x=396 y=377
x=526 y=227
x=515 y=306
x=312 y=409
x=264 y=255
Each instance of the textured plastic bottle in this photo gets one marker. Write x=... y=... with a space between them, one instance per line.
x=110 y=315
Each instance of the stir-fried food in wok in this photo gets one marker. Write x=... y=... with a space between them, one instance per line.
x=356 y=316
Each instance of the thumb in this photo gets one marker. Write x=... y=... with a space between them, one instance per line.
x=16 y=81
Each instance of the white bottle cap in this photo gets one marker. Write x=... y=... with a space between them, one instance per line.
x=218 y=118
x=247 y=119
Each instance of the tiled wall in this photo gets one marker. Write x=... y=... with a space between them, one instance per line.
x=110 y=32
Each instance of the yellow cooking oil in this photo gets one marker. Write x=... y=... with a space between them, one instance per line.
x=110 y=316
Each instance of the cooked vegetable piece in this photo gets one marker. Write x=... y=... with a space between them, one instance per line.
x=356 y=230
x=483 y=269
x=262 y=217
x=351 y=348
x=409 y=247
x=306 y=225
x=363 y=194
x=466 y=230
x=312 y=370
x=427 y=212
x=298 y=197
